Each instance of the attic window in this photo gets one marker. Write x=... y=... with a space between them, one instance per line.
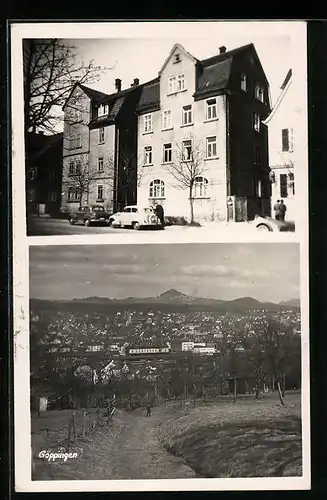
x=103 y=109
x=177 y=58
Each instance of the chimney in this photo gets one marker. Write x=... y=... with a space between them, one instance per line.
x=136 y=82
x=118 y=84
x=222 y=49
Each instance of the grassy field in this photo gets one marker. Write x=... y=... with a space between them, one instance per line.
x=251 y=438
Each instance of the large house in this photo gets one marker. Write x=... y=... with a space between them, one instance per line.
x=202 y=143
x=99 y=149
x=281 y=123
x=43 y=173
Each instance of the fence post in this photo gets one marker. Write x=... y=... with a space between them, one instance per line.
x=74 y=425
x=83 y=424
x=98 y=416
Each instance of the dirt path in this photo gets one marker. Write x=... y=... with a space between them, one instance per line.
x=127 y=449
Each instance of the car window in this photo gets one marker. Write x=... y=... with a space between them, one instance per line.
x=147 y=210
x=85 y=209
x=134 y=209
x=98 y=208
x=127 y=209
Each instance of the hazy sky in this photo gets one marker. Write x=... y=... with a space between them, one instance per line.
x=267 y=272
x=143 y=57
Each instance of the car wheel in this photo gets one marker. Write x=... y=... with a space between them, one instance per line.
x=263 y=228
x=71 y=221
x=110 y=222
x=86 y=223
x=136 y=226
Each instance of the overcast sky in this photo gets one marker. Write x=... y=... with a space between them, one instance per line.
x=143 y=55
x=267 y=272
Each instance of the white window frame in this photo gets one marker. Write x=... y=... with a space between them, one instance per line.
x=210 y=107
x=187 y=148
x=100 y=164
x=200 y=187
x=187 y=114
x=148 y=155
x=165 y=150
x=181 y=82
x=256 y=122
x=147 y=123
x=71 y=168
x=157 y=185
x=210 y=145
x=74 y=191
x=259 y=92
x=101 y=135
x=103 y=110
x=244 y=83
x=172 y=84
x=167 y=119
x=100 y=187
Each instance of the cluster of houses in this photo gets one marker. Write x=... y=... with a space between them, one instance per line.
x=202 y=136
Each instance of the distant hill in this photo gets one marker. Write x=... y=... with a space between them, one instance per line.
x=170 y=300
x=291 y=302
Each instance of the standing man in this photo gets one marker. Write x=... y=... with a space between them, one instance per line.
x=148 y=410
x=277 y=210
x=159 y=211
x=282 y=210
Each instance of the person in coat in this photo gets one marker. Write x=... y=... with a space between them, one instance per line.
x=159 y=211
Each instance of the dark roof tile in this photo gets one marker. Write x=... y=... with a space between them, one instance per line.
x=95 y=95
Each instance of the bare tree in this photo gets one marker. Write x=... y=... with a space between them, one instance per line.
x=188 y=164
x=80 y=176
x=51 y=68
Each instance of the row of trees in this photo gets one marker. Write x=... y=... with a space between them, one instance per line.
x=271 y=357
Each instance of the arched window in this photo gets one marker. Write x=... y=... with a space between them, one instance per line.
x=200 y=188
x=157 y=189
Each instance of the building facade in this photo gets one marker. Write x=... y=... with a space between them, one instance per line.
x=202 y=143
x=43 y=173
x=99 y=148
x=281 y=123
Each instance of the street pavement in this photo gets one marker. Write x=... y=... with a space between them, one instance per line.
x=47 y=226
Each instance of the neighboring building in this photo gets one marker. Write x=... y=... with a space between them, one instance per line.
x=281 y=124
x=99 y=157
x=217 y=106
x=43 y=173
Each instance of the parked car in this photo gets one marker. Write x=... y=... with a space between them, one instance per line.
x=135 y=217
x=95 y=214
x=268 y=224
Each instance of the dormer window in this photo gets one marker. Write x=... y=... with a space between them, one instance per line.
x=103 y=110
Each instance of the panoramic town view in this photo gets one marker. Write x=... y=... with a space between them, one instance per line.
x=165 y=361
x=200 y=134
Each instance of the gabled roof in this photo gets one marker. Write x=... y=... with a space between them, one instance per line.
x=284 y=87
x=287 y=79
x=181 y=48
x=94 y=95
x=213 y=75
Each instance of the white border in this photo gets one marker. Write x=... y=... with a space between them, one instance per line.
x=297 y=31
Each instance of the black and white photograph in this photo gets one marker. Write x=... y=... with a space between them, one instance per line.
x=162 y=133
x=161 y=335
x=165 y=362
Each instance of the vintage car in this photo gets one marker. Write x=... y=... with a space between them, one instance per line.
x=268 y=224
x=135 y=217
x=87 y=215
